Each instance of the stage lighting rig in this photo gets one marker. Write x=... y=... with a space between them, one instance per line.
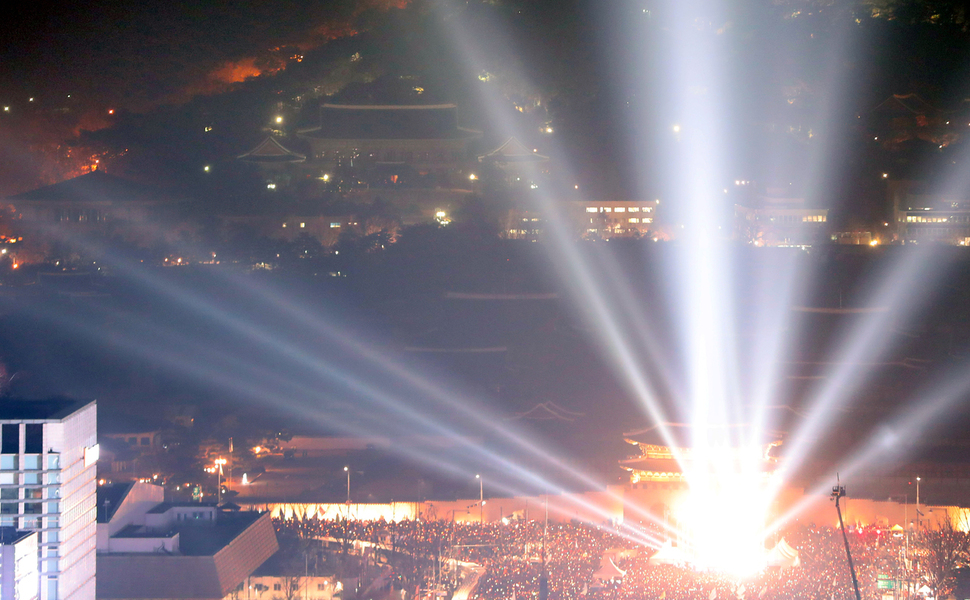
x=838 y=491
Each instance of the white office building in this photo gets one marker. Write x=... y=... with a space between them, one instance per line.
x=19 y=576
x=48 y=484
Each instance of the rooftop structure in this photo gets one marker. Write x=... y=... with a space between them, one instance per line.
x=153 y=549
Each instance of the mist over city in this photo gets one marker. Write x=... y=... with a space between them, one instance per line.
x=485 y=300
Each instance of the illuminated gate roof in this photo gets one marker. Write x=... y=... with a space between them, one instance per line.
x=665 y=448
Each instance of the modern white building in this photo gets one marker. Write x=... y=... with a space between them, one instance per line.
x=154 y=550
x=19 y=575
x=48 y=484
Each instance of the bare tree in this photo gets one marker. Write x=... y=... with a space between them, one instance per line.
x=290 y=587
x=944 y=550
x=291 y=580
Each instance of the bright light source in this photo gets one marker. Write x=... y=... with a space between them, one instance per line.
x=885 y=175
x=271 y=186
x=111 y=111
x=676 y=128
x=6 y=109
x=473 y=177
x=206 y=168
x=326 y=177
x=279 y=120
x=548 y=129
x=874 y=243
x=440 y=214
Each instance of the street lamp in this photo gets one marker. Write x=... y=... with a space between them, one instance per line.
x=347 y=471
x=219 y=463
x=481 y=499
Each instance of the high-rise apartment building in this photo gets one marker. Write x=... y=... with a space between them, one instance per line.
x=48 y=484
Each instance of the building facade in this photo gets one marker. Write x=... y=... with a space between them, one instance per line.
x=388 y=146
x=777 y=222
x=48 y=481
x=923 y=216
x=19 y=577
x=607 y=219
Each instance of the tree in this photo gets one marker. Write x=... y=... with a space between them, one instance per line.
x=291 y=580
x=944 y=550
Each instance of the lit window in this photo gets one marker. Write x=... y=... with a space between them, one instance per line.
x=592 y=209
x=634 y=209
x=607 y=209
x=634 y=220
x=646 y=220
x=647 y=209
x=619 y=209
x=302 y=225
x=334 y=225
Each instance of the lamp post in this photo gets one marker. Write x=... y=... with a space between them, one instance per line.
x=481 y=499
x=347 y=471
x=917 y=502
x=219 y=463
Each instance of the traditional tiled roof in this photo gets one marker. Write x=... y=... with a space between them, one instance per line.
x=384 y=122
x=906 y=104
x=271 y=151
x=93 y=187
x=512 y=151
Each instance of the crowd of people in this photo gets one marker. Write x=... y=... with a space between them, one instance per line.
x=512 y=557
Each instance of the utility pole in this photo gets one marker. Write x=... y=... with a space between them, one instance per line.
x=481 y=500
x=543 y=576
x=838 y=491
